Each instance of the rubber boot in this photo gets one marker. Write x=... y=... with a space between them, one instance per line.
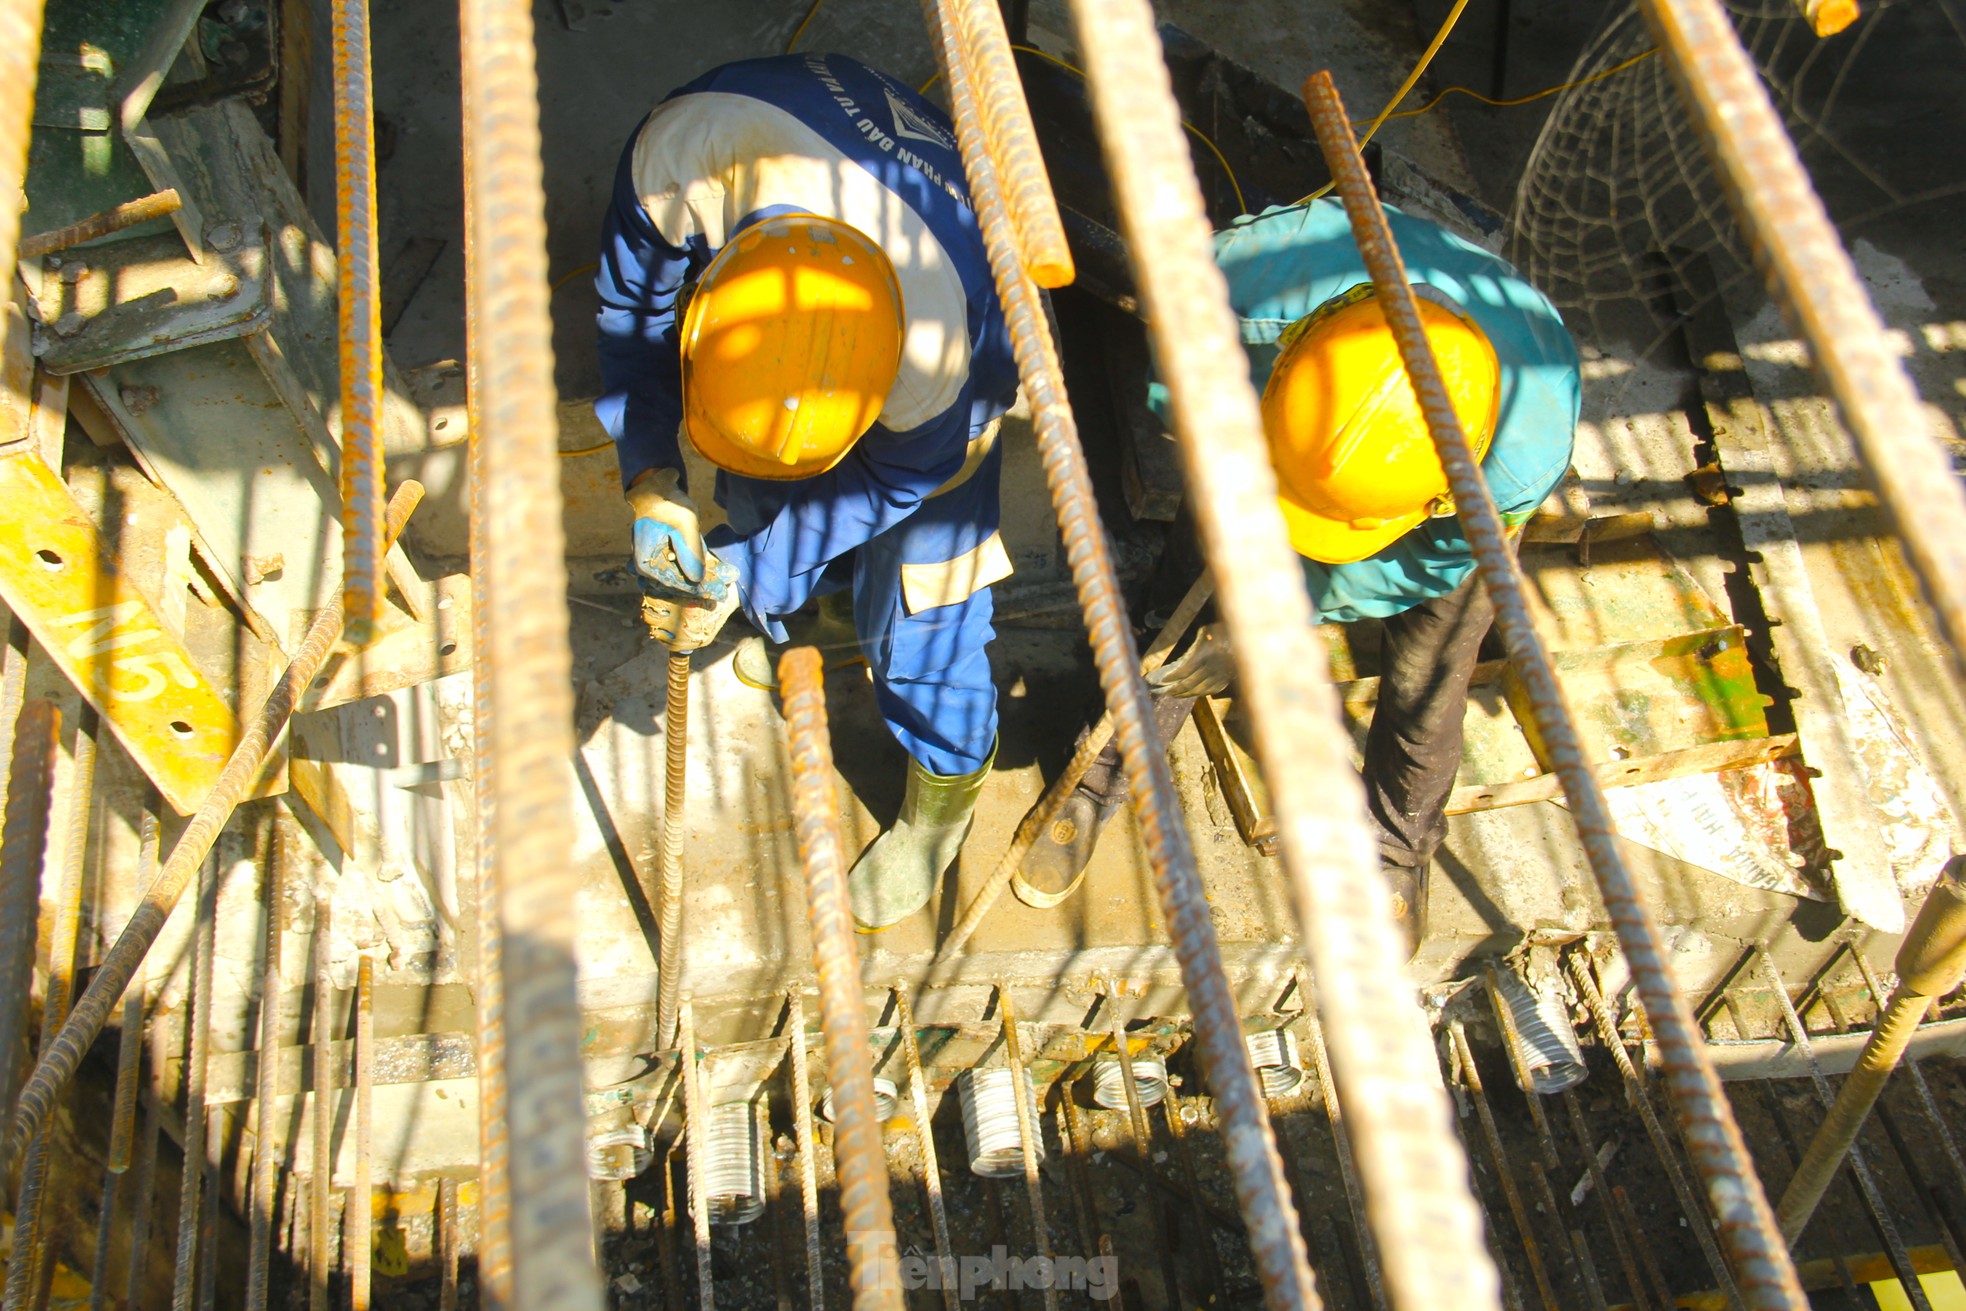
x=830 y=628
x=896 y=876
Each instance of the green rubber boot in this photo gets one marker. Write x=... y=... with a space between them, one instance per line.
x=897 y=875
x=830 y=628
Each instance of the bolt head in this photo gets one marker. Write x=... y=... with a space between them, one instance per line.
x=225 y=236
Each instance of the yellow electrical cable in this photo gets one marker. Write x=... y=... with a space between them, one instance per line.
x=1524 y=100
x=1405 y=88
x=1242 y=206
x=802 y=25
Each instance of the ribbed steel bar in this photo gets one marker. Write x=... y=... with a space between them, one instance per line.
x=447 y=1245
x=938 y=1213
x=117 y=218
x=696 y=1129
x=320 y=1037
x=198 y=1045
x=1873 y=1197
x=1504 y=1169
x=242 y=769
x=358 y=304
x=122 y=1138
x=1423 y=1214
x=529 y=689
x=357 y=1228
x=1941 y=1126
x=20 y=62
x=1621 y=1245
x=1817 y=286
x=1763 y=1267
x=1028 y=1134
x=873 y=1259
x=1011 y=138
x=23 y=846
x=1638 y=1094
x=795 y=1028
x=669 y=850
x=266 y=1071
x=145 y=1201
x=37 y=1239
x=1255 y=1168
x=1088 y=750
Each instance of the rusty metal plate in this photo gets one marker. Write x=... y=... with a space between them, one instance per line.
x=105 y=636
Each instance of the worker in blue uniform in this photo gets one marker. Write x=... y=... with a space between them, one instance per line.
x=792 y=281
x=1365 y=499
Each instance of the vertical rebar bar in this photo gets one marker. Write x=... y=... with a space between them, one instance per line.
x=938 y=1213
x=446 y=1245
x=1011 y=138
x=1341 y=1138
x=320 y=1037
x=358 y=302
x=696 y=1129
x=123 y=1104
x=873 y=1260
x=266 y=1073
x=1763 y=1265
x=1255 y=1168
x=1594 y=1171
x=198 y=1044
x=145 y=1200
x=23 y=847
x=528 y=680
x=242 y=770
x=1638 y=1093
x=37 y=1240
x=669 y=850
x=1941 y=1126
x=1029 y=1131
x=20 y=61
x=1821 y=295
x=1873 y=1197
x=357 y=1229
x=1471 y=1077
x=795 y=1026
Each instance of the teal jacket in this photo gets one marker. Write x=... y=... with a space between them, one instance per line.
x=1284 y=263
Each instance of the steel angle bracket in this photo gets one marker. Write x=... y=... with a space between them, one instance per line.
x=58 y=576
x=142 y=297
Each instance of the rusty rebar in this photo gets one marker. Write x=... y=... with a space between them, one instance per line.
x=938 y=1213
x=358 y=305
x=1763 y=1266
x=1029 y=1133
x=37 y=1238
x=23 y=846
x=696 y=1128
x=1930 y=962
x=123 y=1103
x=1941 y=1126
x=447 y=1245
x=1621 y=1246
x=1504 y=1172
x=1867 y=1188
x=1011 y=138
x=1039 y=818
x=20 y=62
x=358 y=1229
x=795 y=1024
x=117 y=218
x=669 y=850
x=1255 y=1168
x=873 y=1260
x=1638 y=1093
x=198 y=1045
x=242 y=769
x=266 y=1074
x=320 y=1036
x=145 y=1200
x=1821 y=295
x=528 y=707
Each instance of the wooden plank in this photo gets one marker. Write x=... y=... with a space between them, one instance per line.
x=1707 y=758
x=1248 y=799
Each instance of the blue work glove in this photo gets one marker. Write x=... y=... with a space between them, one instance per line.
x=669 y=550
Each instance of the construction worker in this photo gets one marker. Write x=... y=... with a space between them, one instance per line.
x=793 y=282
x=1365 y=499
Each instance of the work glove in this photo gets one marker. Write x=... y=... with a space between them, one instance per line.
x=1204 y=669
x=669 y=549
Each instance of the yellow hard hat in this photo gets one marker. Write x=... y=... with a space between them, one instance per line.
x=790 y=346
x=1355 y=465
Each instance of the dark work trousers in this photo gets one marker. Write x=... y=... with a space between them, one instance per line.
x=1105 y=780
x=1414 y=746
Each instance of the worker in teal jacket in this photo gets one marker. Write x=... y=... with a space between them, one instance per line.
x=1365 y=499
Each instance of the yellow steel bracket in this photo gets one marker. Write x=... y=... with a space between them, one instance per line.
x=104 y=634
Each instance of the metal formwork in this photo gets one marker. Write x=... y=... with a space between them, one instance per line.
x=1296 y=1063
